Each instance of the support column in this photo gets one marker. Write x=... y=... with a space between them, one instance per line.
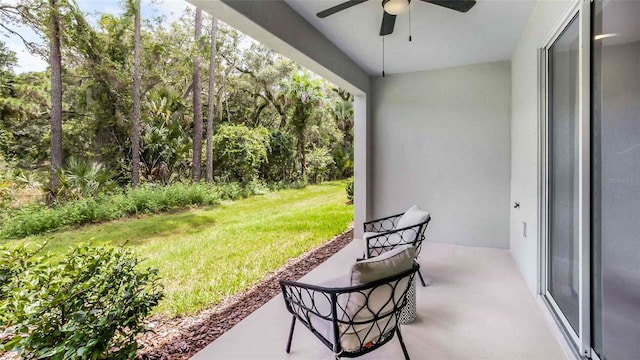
x=361 y=180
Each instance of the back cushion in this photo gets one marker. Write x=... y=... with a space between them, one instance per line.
x=388 y=264
x=411 y=217
x=365 y=305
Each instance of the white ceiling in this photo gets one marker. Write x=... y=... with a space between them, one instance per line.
x=441 y=37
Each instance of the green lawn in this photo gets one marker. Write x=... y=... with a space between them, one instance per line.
x=207 y=254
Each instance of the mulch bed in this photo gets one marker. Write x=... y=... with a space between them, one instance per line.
x=183 y=337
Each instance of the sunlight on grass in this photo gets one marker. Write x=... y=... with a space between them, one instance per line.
x=207 y=254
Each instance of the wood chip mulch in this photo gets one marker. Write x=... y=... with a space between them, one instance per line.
x=183 y=337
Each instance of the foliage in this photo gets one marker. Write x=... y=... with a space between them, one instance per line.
x=13 y=263
x=305 y=94
x=6 y=188
x=254 y=88
x=202 y=254
x=165 y=143
x=8 y=58
x=349 y=189
x=319 y=162
x=91 y=305
x=240 y=152
x=24 y=122
x=80 y=178
x=281 y=161
x=6 y=193
x=32 y=220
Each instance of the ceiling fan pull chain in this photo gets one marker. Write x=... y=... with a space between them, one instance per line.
x=382 y=56
x=410 y=27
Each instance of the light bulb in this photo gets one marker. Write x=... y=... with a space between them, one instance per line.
x=395 y=7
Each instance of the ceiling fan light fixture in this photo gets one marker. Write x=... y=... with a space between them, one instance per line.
x=395 y=7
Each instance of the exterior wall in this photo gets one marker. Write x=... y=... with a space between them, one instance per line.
x=524 y=137
x=441 y=140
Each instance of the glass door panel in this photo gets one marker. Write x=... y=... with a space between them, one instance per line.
x=563 y=156
x=616 y=180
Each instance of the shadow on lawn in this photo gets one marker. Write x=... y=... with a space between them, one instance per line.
x=134 y=231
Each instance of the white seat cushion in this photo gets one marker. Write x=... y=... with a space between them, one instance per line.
x=411 y=217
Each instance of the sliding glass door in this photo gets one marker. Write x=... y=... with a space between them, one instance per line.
x=565 y=175
x=563 y=283
x=615 y=180
x=590 y=177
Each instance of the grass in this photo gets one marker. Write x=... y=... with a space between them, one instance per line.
x=205 y=255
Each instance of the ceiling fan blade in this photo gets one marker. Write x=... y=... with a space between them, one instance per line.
x=388 y=22
x=457 y=5
x=338 y=8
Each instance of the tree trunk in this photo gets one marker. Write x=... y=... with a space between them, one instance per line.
x=301 y=149
x=226 y=103
x=55 y=62
x=135 y=136
x=196 y=167
x=212 y=83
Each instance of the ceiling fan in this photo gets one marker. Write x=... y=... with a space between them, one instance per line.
x=395 y=7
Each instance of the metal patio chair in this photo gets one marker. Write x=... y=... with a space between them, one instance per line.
x=382 y=235
x=351 y=320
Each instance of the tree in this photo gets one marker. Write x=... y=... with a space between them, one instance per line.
x=305 y=94
x=8 y=58
x=55 y=62
x=250 y=85
x=196 y=166
x=135 y=136
x=211 y=101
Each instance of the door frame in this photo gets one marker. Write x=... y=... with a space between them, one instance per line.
x=580 y=9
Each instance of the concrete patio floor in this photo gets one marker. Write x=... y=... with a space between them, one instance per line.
x=476 y=306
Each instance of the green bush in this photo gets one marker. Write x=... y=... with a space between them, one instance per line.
x=32 y=220
x=80 y=178
x=319 y=162
x=350 y=190
x=281 y=158
x=240 y=151
x=92 y=305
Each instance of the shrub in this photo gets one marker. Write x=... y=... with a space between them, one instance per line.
x=281 y=158
x=92 y=305
x=6 y=193
x=146 y=199
x=319 y=162
x=350 y=190
x=240 y=152
x=13 y=263
x=80 y=178
x=33 y=220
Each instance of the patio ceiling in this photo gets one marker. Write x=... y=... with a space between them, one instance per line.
x=441 y=38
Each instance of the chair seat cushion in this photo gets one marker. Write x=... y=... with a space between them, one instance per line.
x=411 y=217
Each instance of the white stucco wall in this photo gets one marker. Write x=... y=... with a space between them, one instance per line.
x=441 y=140
x=524 y=136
